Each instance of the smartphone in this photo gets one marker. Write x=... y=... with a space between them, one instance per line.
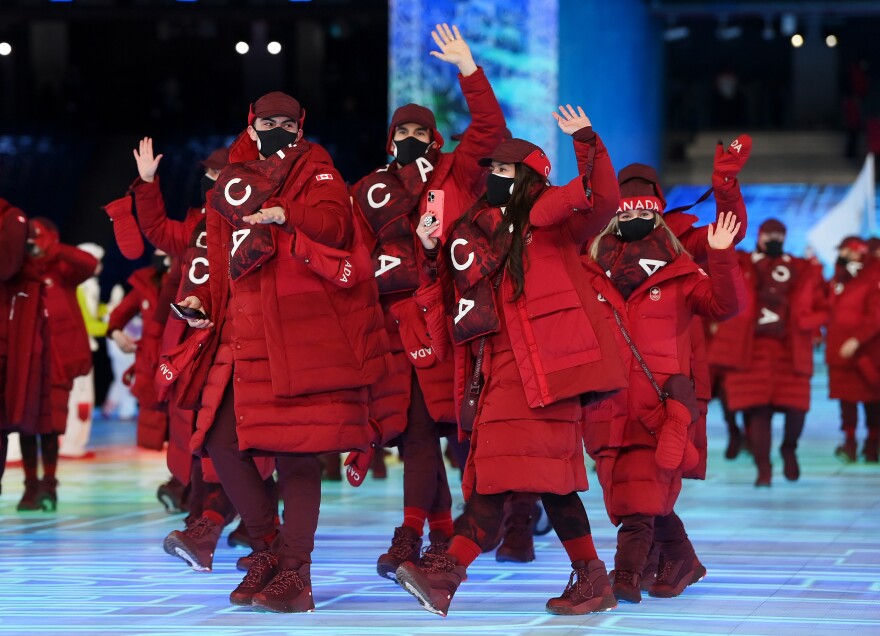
x=187 y=313
x=436 y=200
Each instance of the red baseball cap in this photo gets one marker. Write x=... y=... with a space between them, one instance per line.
x=519 y=151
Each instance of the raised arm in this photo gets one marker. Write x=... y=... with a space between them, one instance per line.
x=721 y=295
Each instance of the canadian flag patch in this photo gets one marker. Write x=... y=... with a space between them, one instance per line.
x=324 y=177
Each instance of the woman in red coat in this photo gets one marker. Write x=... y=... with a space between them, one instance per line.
x=651 y=289
x=852 y=345
x=59 y=269
x=412 y=405
x=143 y=299
x=522 y=328
x=767 y=349
x=298 y=338
x=13 y=247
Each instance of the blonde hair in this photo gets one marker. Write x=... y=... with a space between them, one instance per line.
x=613 y=227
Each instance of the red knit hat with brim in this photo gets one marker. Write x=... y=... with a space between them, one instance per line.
x=772 y=226
x=855 y=243
x=277 y=104
x=217 y=160
x=519 y=151
x=640 y=189
x=414 y=114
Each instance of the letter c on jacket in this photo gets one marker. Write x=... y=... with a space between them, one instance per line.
x=384 y=200
x=468 y=262
x=247 y=192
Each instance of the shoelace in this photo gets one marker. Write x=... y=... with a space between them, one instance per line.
x=574 y=585
x=282 y=582
x=262 y=561
x=665 y=570
x=623 y=576
x=401 y=546
x=199 y=528
x=438 y=547
x=437 y=562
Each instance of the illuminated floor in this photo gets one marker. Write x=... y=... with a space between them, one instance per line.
x=800 y=558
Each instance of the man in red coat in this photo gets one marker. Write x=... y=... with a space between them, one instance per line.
x=297 y=338
x=57 y=343
x=412 y=405
x=853 y=345
x=13 y=247
x=768 y=348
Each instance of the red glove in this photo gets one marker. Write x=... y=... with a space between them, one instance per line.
x=128 y=234
x=729 y=162
x=358 y=462
x=672 y=440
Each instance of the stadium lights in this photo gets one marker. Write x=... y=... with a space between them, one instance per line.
x=797 y=40
x=242 y=47
x=830 y=40
x=274 y=48
x=5 y=48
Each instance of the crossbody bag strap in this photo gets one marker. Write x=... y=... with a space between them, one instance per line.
x=660 y=392
x=478 y=363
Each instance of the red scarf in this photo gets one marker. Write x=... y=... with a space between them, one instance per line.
x=476 y=257
x=775 y=279
x=241 y=190
x=628 y=265
x=389 y=200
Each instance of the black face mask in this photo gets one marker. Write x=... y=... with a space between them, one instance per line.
x=206 y=184
x=159 y=263
x=773 y=248
x=841 y=261
x=498 y=189
x=635 y=229
x=410 y=149
x=271 y=141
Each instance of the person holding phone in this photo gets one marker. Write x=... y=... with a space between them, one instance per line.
x=412 y=405
x=297 y=338
x=507 y=293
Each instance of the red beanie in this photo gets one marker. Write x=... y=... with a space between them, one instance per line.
x=519 y=151
x=640 y=189
x=274 y=104
x=217 y=160
x=414 y=114
x=772 y=225
x=855 y=243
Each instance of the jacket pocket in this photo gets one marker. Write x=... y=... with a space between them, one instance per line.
x=563 y=334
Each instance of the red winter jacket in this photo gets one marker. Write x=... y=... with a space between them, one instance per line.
x=855 y=313
x=561 y=350
x=732 y=346
x=48 y=342
x=462 y=180
x=303 y=348
x=658 y=316
x=143 y=299
x=13 y=237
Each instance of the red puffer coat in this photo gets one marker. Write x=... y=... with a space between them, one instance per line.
x=46 y=287
x=658 y=316
x=186 y=242
x=143 y=299
x=855 y=313
x=553 y=347
x=461 y=179
x=13 y=237
x=754 y=377
x=302 y=350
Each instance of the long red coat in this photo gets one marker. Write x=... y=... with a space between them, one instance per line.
x=552 y=347
x=658 y=316
x=143 y=299
x=779 y=373
x=13 y=237
x=854 y=313
x=186 y=242
x=462 y=179
x=49 y=344
x=301 y=350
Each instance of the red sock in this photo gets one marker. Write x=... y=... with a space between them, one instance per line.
x=215 y=517
x=581 y=549
x=464 y=550
x=441 y=521
x=415 y=518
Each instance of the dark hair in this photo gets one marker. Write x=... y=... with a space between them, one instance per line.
x=528 y=185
